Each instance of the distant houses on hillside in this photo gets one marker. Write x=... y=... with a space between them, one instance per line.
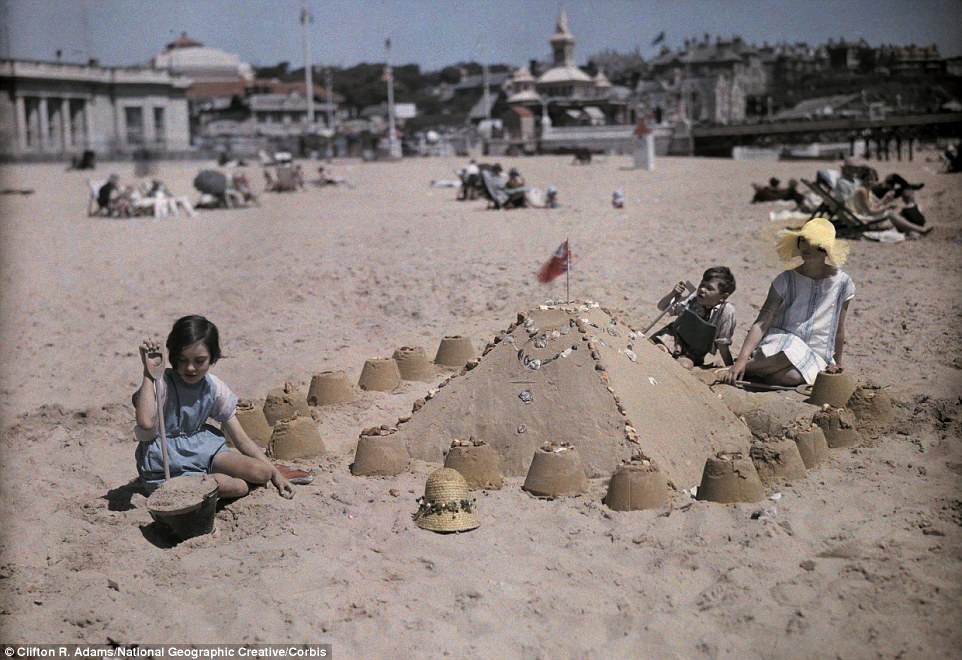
x=191 y=95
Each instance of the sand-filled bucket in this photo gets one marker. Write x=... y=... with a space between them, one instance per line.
x=839 y=427
x=330 y=387
x=454 y=351
x=637 y=485
x=380 y=375
x=556 y=471
x=185 y=506
x=446 y=506
x=254 y=423
x=835 y=389
x=479 y=463
x=729 y=478
x=413 y=364
x=777 y=458
x=297 y=437
x=811 y=443
x=283 y=402
x=380 y=455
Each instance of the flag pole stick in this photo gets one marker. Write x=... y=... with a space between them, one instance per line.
x=568 y=272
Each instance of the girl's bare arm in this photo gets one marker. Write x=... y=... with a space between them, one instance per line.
x=145 y=399
x=840 y=333
x=764 y=320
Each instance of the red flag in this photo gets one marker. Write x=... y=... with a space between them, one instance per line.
x=557 y=264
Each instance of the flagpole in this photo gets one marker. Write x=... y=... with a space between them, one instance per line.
x=568 y=272
x=308 y=65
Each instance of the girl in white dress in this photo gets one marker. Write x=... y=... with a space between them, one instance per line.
x=800 y=329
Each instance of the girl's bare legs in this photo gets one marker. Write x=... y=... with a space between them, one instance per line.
x=234 y=472
x=906 y=226
x=774 y=370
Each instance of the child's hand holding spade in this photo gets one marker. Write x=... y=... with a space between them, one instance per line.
x=152 y=356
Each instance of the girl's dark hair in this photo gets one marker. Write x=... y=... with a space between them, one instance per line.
x=189 y=330
x=726 y=281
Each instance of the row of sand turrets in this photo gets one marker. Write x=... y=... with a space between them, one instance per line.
x=284 y=426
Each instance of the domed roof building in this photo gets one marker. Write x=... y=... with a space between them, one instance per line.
x=214 y=73
x=564 y=94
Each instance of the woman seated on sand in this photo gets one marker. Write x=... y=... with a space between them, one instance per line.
x=800 y=329
x=773 y=192
x=882 y=213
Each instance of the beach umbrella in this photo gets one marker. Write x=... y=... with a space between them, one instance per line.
x=211 y=182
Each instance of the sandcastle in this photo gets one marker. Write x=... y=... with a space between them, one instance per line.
x=556 y=471
x=380 y=452
x=454 y=352
x=832 y=387
x=839 y=427
x=477 y=461
x=570 y=371
x=296 y=437
x=283 y=403
x=330 y=387
x=413 y=364
x=777 y=458
x=811 y=443
x=636 y=485
x=254 y=423
x=730 y=477
x=379 y=375
x=874 y=410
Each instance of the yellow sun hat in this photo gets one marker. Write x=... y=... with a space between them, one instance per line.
x=820 y=232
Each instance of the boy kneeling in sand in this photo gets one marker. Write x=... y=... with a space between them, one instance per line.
x=706 y=320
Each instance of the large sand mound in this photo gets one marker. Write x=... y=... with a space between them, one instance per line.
x=573 y=373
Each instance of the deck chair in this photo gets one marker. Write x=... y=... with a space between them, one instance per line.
x=93 y=202
x=286 y=179
x=847 y=223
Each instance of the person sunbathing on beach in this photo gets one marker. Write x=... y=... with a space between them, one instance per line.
x=867 y=207
x=773 y=192
x=706 y=320
x=189 y=395
x=800 y=329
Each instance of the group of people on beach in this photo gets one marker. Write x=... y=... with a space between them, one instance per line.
x=116 y=200
x=883 y=204
x=511 y=191
x=798 y=332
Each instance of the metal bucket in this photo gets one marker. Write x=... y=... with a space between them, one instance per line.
x=185 y=506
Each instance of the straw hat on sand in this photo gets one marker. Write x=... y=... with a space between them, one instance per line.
x=820 y=233
x=446 y=506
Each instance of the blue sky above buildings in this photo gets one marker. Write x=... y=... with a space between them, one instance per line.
x=434 y=33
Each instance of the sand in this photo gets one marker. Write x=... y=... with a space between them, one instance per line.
x=860 y=558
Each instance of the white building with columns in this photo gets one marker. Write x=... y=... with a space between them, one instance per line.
x=55 y=110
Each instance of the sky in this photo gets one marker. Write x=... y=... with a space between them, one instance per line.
x=436 y=33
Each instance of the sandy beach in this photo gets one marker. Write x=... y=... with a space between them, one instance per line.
x=862 y=558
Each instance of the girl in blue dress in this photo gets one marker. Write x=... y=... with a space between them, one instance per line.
x=800 y=329
x=189 y=396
